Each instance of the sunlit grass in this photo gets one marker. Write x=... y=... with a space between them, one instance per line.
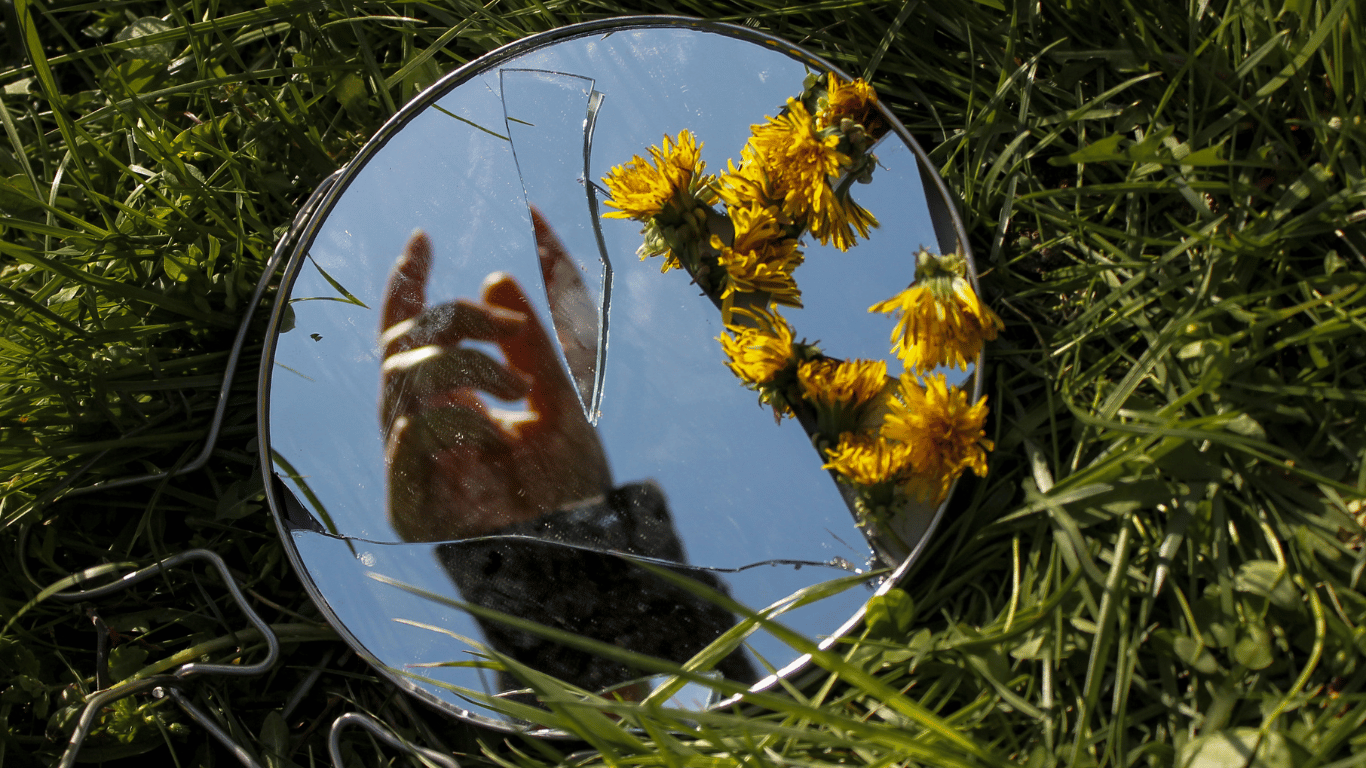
x=1167 y=205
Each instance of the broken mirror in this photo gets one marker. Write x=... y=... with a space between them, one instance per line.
x=484 y=401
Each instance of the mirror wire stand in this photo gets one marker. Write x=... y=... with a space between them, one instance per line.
x=166 y=686
x=169 y=686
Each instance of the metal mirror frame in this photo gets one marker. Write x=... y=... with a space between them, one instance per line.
x=947 y=224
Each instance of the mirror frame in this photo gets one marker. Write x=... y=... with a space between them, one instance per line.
x=949 y=231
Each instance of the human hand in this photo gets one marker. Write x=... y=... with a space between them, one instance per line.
x=456 y=467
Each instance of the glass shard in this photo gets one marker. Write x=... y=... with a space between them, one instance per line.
x=550 y=118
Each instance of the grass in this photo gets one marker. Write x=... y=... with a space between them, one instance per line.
x=1162 y=569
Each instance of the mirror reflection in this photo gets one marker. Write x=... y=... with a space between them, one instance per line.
x=481 y=391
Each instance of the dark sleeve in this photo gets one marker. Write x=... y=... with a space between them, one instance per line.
x=565 y=575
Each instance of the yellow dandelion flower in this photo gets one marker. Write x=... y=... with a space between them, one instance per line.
x=940 y=320
x=944 y=432
x=798 y=162
x=755 y=271
x=842 y=392
x=868 y=459
x=642 y=189
x=828 y=382
x=749 y=184
x=761 y=258
x=836 y=219
x=790 y=164
x=855 y=100
x=758 y=354
x=755 y=226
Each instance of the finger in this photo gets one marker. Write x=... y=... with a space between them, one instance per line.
x=562 y=460
x=573 y=312
x=533 y=353
x=446 y=325
x=549 y=249
x=419 y=377
x=410 y=406
x=431 y=370
x=406 y=293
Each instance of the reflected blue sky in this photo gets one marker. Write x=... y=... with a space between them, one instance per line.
x=740 y=488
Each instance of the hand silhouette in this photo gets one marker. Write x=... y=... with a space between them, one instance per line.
x=458 y=468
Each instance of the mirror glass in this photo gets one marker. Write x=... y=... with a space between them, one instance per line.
x=460 y=285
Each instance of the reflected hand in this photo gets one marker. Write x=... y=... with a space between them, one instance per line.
x=457 y=468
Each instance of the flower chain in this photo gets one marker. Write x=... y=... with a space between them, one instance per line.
x=892 y=440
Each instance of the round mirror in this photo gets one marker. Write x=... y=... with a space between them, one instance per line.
x=477 y=389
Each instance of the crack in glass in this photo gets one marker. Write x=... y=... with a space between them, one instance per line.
x=550 y=118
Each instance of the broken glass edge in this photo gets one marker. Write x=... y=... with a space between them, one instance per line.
x=589 y=401
x=595 y=99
